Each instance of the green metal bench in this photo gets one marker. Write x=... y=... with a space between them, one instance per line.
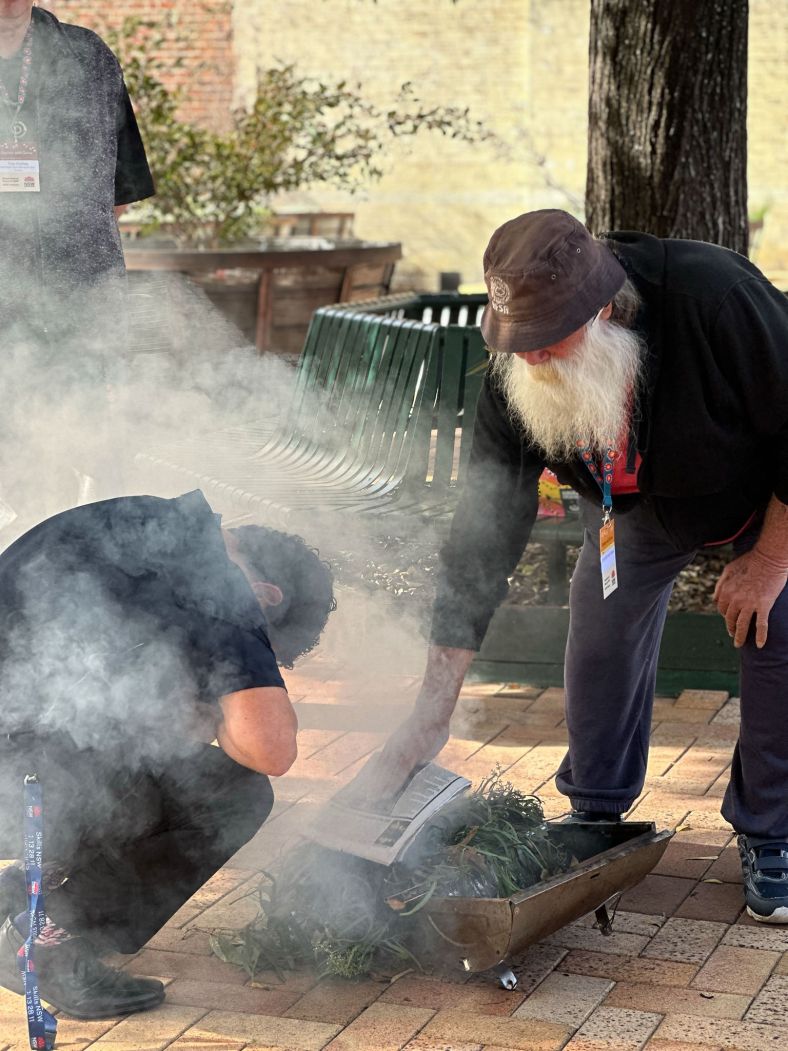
x=347 y=448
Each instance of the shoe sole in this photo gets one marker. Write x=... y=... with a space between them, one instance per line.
x=90 y=1016
x=780 y=915
x=145 y=1005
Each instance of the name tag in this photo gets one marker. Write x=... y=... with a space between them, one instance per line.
x=607 y=558
x=19 y=171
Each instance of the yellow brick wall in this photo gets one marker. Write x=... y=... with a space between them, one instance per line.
x=522 y=67
x=767 y=129
x=441 y=198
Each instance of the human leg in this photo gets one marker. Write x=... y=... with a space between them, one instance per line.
x=611 y=662
x=66 y=774
x=206 y=807
x=755 y=802
x=71 y=977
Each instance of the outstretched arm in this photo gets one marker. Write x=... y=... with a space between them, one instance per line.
x=488 y=533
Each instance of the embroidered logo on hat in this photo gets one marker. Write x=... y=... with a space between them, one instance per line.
x=500 y=294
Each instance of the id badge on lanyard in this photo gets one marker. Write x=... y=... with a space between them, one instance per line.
x=19 y=169
x=607 y=531
x=19 y=172
x=607 y=556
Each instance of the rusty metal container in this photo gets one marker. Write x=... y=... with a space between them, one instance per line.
x=484 y=933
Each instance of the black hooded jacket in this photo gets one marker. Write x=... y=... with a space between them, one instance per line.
x=712 y=427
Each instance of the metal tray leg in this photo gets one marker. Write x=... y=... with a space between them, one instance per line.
x=604 y=921
x=506 y=977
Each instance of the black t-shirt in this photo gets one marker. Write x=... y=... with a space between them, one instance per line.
x=62 y=287
x=133 y=180
x=117 y=617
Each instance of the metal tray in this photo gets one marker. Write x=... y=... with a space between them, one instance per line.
x=484 y=933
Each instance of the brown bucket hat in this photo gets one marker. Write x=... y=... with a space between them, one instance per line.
x=546 y=277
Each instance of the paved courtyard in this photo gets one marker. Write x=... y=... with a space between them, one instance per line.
x=684 y=969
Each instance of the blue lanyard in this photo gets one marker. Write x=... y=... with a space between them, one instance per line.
x=41 y=1025
x=603 y=478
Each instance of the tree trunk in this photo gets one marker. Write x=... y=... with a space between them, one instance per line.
x=667 y=135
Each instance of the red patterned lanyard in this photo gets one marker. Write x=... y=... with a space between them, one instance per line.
x=18 y=129
x=603 y=478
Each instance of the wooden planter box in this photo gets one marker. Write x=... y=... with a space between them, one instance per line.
x=526 y=644
x=271 y=292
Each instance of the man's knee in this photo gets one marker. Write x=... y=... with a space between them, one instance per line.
x=229 y=801
x=247 y=803
x=257 y=800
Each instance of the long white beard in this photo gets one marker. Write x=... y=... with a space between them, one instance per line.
x=583 y=398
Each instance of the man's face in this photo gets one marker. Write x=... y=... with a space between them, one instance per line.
x=568 y=347
x=15 y=10
x=578 y=390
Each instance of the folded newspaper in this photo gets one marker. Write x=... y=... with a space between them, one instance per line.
x=382 y=830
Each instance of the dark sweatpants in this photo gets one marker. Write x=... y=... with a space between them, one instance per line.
x=610 y=674
x=134 y=845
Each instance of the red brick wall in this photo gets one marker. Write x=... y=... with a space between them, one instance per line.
x=202 y=39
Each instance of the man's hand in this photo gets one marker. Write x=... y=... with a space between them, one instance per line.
x=413 y=743
x=749 y=586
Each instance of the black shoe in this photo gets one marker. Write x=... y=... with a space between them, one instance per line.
x=764 y=866
x=75 y=981
x=582 y=816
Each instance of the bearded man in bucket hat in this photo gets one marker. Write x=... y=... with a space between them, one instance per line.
x=651 y=375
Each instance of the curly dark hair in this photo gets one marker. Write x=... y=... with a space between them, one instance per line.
x=296 y=624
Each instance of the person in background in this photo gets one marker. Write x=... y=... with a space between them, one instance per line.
x=71 y=159
x=652 y=376
x=134 y=631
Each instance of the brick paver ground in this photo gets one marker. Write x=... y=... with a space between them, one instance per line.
x=684 y=969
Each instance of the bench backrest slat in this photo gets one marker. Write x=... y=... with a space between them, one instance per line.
x=390 y=439
x=359 y=383
x=381 y=399
x=448 y=412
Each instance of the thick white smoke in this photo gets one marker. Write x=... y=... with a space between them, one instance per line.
x=170 y=382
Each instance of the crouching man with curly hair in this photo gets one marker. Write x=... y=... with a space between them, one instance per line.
x=132 y=632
